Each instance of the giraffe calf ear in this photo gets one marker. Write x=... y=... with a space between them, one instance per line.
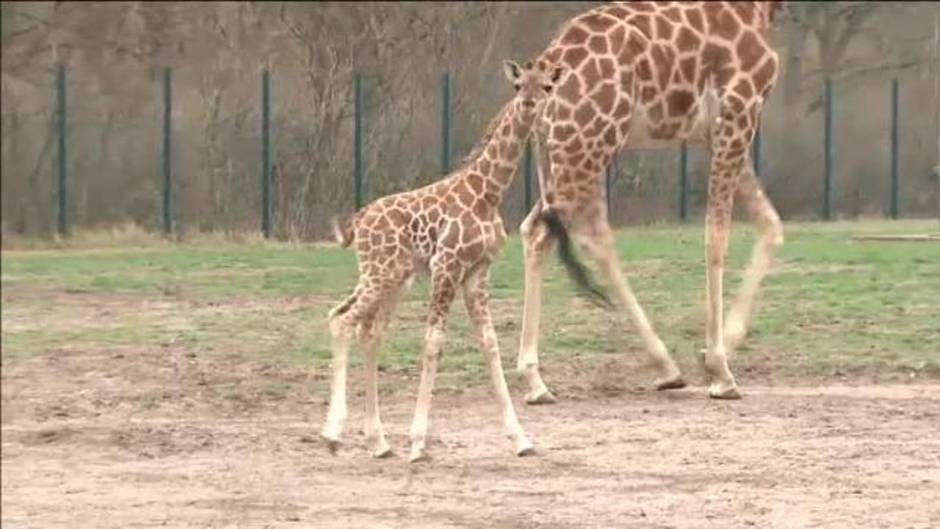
x=557 y=74
x=513 y=71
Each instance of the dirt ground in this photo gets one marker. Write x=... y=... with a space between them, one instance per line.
x=164 y=437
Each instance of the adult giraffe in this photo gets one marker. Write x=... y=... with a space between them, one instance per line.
x=653 y=74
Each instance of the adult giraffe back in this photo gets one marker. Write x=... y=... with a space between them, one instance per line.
x=653 y=74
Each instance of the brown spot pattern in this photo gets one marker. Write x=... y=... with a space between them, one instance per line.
x=678 y=102
x=598 y=44
x=664 y=28
x=574 y=56
x=574 y=35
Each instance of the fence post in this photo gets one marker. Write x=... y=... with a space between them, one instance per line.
x=167 y=125
x=527 y=176
x=757 y=152
x=445 y=125
x=357 y=146
x=829 y=155
x=266 y=153
x=60 y=122
x=683 y=182
x=894 y=148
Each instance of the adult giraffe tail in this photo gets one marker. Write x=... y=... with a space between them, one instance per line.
x=575 y=268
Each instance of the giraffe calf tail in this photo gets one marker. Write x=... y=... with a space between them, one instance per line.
x=575 y=268
x=342 y=233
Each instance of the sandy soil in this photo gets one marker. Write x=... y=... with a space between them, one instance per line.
x=165 y=438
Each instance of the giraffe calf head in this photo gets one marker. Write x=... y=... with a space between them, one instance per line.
x=533 y=85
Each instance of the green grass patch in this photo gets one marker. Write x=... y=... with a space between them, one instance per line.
x=831 y=304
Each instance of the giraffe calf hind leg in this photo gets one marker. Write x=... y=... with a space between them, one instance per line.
x=343 y=323
x=356 y=316
x=371 y=340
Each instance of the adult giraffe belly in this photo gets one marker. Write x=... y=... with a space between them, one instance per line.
x=653 y=128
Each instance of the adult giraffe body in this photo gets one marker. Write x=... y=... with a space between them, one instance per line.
x=653 y=74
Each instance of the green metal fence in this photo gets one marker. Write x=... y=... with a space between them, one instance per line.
x=266 y=153
x=830 y=154
x=446 y=112
x=357 y=167
x=62 y=195
x=167 y=152
x=359 y=178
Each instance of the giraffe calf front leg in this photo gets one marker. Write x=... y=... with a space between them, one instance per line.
x=476 y=296
x=522 y=444
x=419 y=426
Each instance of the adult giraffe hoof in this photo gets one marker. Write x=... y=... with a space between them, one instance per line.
x=676 y=382
x=723 y=392
x=735 y=332
x=542 y=396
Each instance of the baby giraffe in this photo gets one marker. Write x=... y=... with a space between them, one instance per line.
x=452 y=230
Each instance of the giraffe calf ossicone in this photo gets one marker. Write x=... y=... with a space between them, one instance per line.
x=451 y=229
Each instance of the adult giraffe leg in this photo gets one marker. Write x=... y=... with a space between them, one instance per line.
x=726 y=168
x=599 y=241
x=731 y=174
x=536 y=243
x=476 y=299
x=770 y=236
x=443 y=290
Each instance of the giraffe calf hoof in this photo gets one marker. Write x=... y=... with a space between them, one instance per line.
x=542 y=396
x=418 y=455
x=331 y=444
x=670 y=383
x=526 y=451
x=383 y=453
x=523 y=444
x=720 y=392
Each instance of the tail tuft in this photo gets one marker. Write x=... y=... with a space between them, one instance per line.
x=576 y=270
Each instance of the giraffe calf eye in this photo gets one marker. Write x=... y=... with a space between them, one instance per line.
x=547 y=88
x=516 y=87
